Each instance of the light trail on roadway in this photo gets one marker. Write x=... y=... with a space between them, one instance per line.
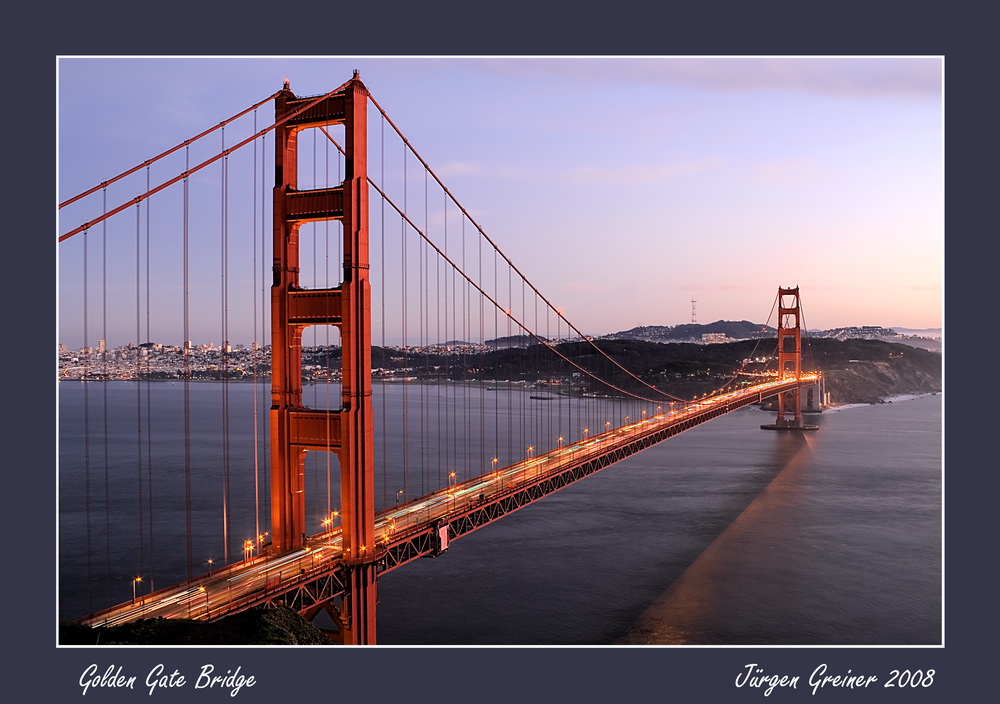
x=254 y=578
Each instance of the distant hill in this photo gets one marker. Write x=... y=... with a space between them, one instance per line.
x=919 y=332
x=876 y=332
x=729 y=330
x=693 y=332
x=513 y=341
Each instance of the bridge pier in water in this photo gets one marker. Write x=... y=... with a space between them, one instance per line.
x=789 y=363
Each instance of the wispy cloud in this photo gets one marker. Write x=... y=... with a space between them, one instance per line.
x=640 y=175
x=460 y=168
x=843 y=76
x=588 y=175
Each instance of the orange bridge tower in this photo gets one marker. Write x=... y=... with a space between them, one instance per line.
x=789 y=362
x=296 y=429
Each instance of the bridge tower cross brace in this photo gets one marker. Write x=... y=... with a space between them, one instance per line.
x=295 y=429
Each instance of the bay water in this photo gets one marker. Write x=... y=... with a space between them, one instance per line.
x=724 y=535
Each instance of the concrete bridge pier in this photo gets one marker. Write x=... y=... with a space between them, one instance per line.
x=814 y=398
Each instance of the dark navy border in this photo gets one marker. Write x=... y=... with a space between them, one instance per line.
x=393 y=27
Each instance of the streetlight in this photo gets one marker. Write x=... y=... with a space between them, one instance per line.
x=399 y=493
x=205 y=591
x=586 y=432
x=134 y=583
x=560 y=441
x=531 y=449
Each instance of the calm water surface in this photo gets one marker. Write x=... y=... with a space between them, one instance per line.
x=725 y=534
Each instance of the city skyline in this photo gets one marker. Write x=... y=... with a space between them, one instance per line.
x=623 y=188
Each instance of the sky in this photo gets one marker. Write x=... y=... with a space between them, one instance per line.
x=622 y=188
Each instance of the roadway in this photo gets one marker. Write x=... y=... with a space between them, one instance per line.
x=258 y=578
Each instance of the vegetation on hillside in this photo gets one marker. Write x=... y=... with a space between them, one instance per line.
x=856 y=370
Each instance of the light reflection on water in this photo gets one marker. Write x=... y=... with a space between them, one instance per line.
x=723 y=535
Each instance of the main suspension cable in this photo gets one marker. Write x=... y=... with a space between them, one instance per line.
x=156 y=158
x=138 y=199
x=507 y=312
x=493 y=244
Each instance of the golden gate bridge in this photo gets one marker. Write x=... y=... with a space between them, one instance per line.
x=376 y=287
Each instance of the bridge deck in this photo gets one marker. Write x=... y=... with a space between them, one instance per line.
x=307 y=577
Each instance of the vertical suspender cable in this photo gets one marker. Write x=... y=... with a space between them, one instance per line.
x=225 y=348
x=422 y=278
x=149 y=409
x=498 y=363
x=510 y=369
x=186 y=352
x=441 y=421
x=253 y=351
x=138 y=397
x=450 y=429
x=104 y=335
x=264 y=311
x=482 y=343
x=86 y=425
x=405 y=340
x=382 y=277
x=465 y=339
x=533 y=437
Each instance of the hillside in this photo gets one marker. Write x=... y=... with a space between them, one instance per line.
x=745 y=330
x=865 y=371
x=857 y=371
x=692 y=332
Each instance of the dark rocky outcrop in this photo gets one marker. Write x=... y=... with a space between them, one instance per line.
x=867 y=371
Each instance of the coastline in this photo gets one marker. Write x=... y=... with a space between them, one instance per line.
x=896 y=398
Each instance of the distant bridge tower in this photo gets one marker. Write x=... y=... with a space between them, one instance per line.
x=789 y=362
x=296 y=429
